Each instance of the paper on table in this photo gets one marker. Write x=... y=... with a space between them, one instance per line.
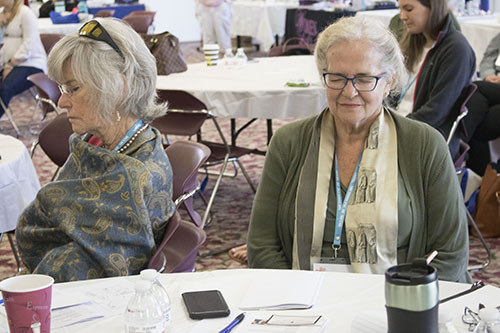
x=283 y=292
x=214 y=325
x=75 y=314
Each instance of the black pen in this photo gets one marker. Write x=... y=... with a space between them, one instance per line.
x=235 y=322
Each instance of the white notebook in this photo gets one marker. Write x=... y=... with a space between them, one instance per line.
x=280 y=290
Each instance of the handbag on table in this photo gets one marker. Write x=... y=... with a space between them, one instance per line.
x=165 y=49
x=487 y=215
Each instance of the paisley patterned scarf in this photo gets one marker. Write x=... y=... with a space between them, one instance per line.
x=103 y=214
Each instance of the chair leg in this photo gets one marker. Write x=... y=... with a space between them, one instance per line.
x=11 y=118
x=247 y=177
x=483 y=242
x=14 y=250
x=214 y=191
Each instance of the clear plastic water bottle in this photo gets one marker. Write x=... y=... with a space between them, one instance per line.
x=490 y=321
x=82 y=7
x=144 y=314
x=240 y=58
x=161 y=295
x=228 y=59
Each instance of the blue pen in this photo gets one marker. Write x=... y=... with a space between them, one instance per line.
x=235 y=322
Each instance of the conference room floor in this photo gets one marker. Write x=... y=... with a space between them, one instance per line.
x=233 y=202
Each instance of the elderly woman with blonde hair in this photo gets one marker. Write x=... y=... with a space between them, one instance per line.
x=309 y=197
x=113 y=197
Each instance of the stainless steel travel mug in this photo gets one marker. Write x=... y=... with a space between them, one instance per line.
x=412 y=298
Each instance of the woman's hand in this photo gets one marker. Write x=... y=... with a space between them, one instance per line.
x=492 y=78
x=6 y=70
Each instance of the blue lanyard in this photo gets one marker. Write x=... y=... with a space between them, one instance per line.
x=129 y=134
x=342 y=204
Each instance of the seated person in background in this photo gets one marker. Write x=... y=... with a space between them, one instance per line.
x=358 y=184
x=441 y=64
x=109 y=206
x=22 y=53
x=46 y=8
x=483 y=121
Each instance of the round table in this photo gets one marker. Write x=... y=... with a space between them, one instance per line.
x=18 y=181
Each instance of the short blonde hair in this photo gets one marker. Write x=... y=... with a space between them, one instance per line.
x=99 y=68
x=368 y=30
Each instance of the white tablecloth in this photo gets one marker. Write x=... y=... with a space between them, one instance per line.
x=255 y=91
x=260 y=19
x=18 y=181
x=343 y=298
x=45 y=26
x=479 y=33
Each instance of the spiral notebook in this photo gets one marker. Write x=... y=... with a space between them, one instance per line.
x=281 y=290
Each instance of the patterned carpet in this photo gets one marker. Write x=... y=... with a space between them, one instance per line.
x=233 y=202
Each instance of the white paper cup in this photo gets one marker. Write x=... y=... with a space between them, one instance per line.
x=211 y=52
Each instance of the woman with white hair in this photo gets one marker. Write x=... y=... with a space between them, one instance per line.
x=109 y=206
x=22 y=53
x=358 y=187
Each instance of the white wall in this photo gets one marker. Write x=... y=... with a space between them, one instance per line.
x=177 y=17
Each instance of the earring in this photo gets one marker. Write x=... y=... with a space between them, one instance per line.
x=118 y=116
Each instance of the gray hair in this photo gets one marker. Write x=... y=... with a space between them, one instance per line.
x=371 y=31
x=101 y=70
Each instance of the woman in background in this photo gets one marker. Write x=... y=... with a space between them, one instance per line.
x=22 y=53
x=109 y=207
x=440 y=61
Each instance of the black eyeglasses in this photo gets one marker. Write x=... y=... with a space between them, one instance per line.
x=361 y=83
x=94 y=30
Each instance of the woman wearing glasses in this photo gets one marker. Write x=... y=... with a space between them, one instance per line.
x=109 y=206
x=440 y=61
x=357 y=187
x=22 y=53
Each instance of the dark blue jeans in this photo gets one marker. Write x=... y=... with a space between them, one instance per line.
x=15 y=83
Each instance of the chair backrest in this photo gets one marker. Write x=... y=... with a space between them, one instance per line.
x=142 y=12
x=158 y=260
x=179 y=247
x=177 y=121
x=140 y=23
x=54 y=139
x=186 y=157
x=49 y=40
x=105 y=13
x=464 y=98
x=47 y=91
x=182 y=248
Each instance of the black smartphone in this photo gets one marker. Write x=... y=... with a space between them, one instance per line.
x=205 y=304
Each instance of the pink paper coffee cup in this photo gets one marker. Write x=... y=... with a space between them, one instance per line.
x=27 y=300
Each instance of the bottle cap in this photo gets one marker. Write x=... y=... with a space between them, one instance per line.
x=489 y=314
x=142 y=285
x=149 y=274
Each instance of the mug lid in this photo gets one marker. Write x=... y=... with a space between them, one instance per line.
x=415 y=273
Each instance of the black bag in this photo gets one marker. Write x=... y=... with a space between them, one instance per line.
x=165 y=49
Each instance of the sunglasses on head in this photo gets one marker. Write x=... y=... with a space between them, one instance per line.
x=94 y=30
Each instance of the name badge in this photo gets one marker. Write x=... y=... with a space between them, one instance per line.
x=340 y=265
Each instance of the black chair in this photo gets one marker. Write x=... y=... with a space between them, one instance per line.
x=459 y=162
